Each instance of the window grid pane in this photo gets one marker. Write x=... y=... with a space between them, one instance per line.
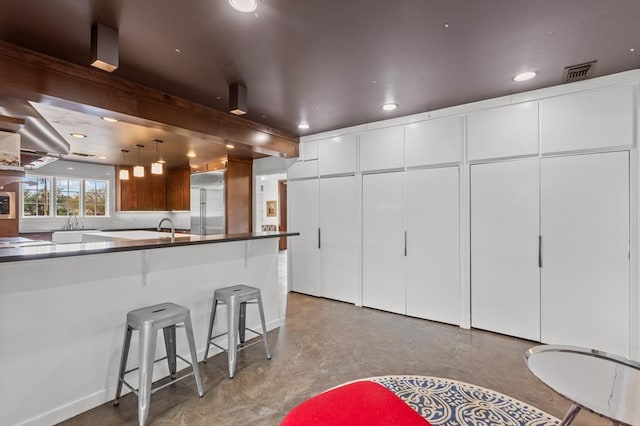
x=67 y=196
x=95 y=197
x=36 y=195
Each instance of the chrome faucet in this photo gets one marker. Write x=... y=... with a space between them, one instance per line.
x=75 y=218
x=173 y=228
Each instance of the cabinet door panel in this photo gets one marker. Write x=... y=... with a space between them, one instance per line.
x=338 y=254
x=337 y=155
x=503 y=132
x=433 y=142
x=585 y=270
x=505 y=278
x=382 y=149
x=383 y=271
x=433 y=269
x=595 y=119
x=303 y=217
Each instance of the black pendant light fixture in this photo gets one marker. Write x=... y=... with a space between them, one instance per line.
x=156 y=166
x=138 y=170
x=124 y=173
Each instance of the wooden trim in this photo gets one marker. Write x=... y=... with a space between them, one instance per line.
x=61 y=83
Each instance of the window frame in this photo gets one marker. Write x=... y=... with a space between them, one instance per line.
x=53 y=194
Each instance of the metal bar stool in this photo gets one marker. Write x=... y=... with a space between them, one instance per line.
x=236 y=298
x=148 y=321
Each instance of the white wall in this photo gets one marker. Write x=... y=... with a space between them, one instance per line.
x=114 y=220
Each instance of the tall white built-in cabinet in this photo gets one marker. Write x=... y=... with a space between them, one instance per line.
x=515 y=215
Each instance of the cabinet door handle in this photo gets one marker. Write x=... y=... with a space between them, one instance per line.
x=319 y=245
x=405 y=243
x=539 y=251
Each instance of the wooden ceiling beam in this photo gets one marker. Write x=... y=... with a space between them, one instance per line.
x=85 y=89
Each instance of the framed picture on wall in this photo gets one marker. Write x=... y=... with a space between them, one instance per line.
x=272 y=208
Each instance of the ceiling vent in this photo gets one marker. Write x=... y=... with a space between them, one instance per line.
x=579 y=72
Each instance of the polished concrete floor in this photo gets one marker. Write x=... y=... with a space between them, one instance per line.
x=324 y=343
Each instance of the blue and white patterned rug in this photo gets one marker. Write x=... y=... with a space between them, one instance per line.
x=449 y=402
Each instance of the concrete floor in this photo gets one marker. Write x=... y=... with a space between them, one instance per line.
x=324 y=343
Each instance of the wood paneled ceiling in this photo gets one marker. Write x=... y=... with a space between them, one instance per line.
x=333 y=63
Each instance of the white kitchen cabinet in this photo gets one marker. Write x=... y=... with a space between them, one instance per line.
x=585 y=257
x=506 y=131
x=433 y=266
x=596 y=119
x=505 y=277
x=338 y=245
x=382 y=149
x=303 y=217
x=309 y=150
x=303 y=169
x=434 y=142
x=337 y=155
x=383 y=242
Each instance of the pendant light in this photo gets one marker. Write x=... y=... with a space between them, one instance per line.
x=156 y=167
x=124 y=173
x=138 y=170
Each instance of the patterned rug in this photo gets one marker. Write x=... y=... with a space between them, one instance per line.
x=449 y=402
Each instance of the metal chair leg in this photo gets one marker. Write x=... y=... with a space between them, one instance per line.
x=170 y=346
x=123 y=363
x=233 y=320
x=148 y=337
x=210 y=333
x=194 y=356
x=264 y=327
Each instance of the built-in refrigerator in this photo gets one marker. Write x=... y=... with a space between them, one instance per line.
x=207 y=203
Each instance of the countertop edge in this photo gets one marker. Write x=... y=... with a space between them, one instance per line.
x=52 y=251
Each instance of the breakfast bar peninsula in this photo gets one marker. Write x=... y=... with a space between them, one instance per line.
x=63 y=309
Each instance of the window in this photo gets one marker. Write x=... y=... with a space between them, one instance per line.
x=72 y=196
x=95 y=197
x=67 y=196
x=37 y=194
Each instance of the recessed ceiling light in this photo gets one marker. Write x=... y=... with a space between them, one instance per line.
x=230 y=146
x=244 y=5
x=524 y=76
x=177 y=50
x=102 y=157
x=191 y=154
x=110 y=119
x=69 y=168
x=78 y=135
x=303 y=126
x=389 y=106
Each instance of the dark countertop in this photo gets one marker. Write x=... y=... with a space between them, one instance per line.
x=20 y=249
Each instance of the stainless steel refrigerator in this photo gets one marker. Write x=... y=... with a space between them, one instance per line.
x=207 y=203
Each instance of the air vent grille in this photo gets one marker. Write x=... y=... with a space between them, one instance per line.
x=579 y=72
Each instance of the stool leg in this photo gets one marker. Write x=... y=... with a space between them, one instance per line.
x=123 y=363
x=242 y=324
x=170 y=345
x=210 y=334
x=233 y=318
x=148 y=337
x=194 y=356
x=264 y=327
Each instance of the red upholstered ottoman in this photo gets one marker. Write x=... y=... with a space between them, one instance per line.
x=358 y=403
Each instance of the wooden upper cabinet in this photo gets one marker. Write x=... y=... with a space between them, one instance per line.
x=506 y=131
x=148 y=193
x=596 y=119
x=178 y=189
x=239 y=189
